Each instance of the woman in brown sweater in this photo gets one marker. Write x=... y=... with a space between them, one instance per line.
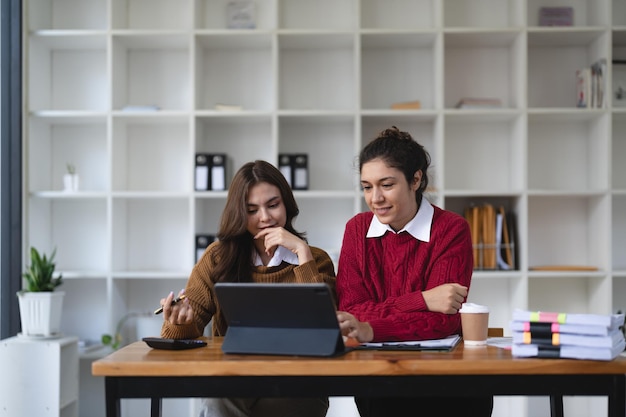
x=256 y=243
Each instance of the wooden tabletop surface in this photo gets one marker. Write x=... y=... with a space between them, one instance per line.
x=138 y=359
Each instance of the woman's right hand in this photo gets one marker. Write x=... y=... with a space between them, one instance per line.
x=353 y=328
x=446 y=298
x=179 y=313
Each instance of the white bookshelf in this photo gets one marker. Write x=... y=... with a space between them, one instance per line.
x=319 y=78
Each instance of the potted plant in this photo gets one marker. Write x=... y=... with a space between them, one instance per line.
x=70 y=179
x=40 y=305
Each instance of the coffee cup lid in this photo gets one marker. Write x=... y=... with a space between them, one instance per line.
x=473 y=308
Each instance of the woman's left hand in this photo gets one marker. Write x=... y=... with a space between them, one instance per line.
x=278 y=236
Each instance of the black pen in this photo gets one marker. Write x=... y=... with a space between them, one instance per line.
x=174 y=301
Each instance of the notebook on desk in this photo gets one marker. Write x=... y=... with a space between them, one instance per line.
x=280 y=319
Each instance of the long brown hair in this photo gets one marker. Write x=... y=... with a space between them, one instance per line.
x=234 y=253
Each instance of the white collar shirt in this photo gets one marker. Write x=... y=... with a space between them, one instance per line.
x=281 y=254
x=418 y=227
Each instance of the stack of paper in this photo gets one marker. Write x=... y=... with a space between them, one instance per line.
x=561 y=335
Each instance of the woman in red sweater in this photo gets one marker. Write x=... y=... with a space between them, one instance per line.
x=405 y=267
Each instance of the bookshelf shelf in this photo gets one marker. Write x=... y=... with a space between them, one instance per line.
x=130 y=90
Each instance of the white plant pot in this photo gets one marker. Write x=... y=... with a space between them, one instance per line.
x=40 y=313
x=70 y=182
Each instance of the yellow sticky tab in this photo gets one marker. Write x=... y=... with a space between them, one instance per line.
x=555 y=339
x=561 y=318
x=527 y=337
x=534 y=316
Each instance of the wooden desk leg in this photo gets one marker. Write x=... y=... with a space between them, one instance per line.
x=112 y=401
x=556 y=406
x=155 y=407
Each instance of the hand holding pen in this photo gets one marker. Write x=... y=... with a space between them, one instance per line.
x=176 y=311
x=174 y=301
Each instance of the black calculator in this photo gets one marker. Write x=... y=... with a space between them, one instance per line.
x=173 y=344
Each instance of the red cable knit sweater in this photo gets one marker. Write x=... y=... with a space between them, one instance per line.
x=380 y=280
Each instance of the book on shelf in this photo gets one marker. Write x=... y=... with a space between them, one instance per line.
x=488 y=236
x=567 y=352
x=504 y=254
x=228 y=107
x=493 y=235
x=479 y=103
x=606 y=320
x=556 y=16
x=241 y=14
x=599 y=85
x=407 y=105
x=539 y=328
x=141 y=108
x=563 y=268
x=569 y=339
x=591 y=85
x=583 y=88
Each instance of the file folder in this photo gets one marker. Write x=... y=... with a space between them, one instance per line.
x=285 y=165
x=300 y=172
x=218 y=172
x=202 y=172
x=203 y=242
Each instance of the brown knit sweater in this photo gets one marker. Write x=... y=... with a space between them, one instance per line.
x=201 y=295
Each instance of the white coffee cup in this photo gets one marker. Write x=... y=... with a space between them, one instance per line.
x=475 y=323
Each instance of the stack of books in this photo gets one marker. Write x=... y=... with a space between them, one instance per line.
x=591 y=85
x=561 y=335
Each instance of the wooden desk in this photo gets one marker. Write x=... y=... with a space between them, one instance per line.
x=137 y=371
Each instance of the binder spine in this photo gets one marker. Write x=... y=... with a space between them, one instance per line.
x=218 y=171
x=295 y=168
x=202 y=242
x=284 y=165
x=202 y=172
x=300 y=172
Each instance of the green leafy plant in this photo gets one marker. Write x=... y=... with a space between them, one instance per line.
x=39 y=275
x=71 y=169
x=115 y=340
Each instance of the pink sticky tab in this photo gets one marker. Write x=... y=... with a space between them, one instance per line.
x=526 y=326
x=548 y=317
x=555 y=327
